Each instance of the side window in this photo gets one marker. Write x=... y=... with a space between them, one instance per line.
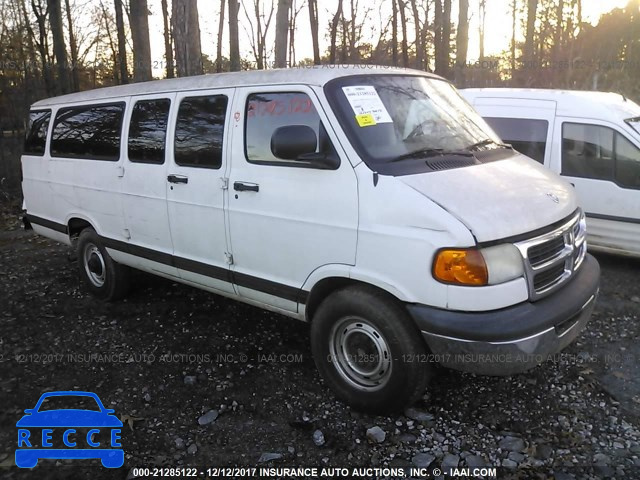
x=627 y=163
x=90 y=132
x=36 y=133
x=267 y=112
x=587 y=151
x=147 y=131
x=199 y=131
x=528 y=136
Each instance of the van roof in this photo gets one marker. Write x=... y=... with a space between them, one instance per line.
x=317 y=75
x=569 y=103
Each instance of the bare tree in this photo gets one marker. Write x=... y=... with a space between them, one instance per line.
x=220 y=33
x=42 y=42
x=282 y=30
x=334 y=32
x=168 y=46
x=403 y=23
x=186 y=34
x=258 y=34
x=313 y=22
x=514 y=11
x=482 y=13
x=394 y=33
x=140 y=36
x=59 y=46
x=122 y=43
x=75 y=81
x=418 y=41
x=528 y=50
x=234 y=43
x=462 y=41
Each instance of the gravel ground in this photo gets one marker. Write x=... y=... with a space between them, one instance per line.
x=201 y=380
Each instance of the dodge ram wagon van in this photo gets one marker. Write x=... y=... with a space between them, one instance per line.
x=590 y=138
x=373 y=203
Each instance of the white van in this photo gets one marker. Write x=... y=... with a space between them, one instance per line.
x=372 y=202
x=590 y=138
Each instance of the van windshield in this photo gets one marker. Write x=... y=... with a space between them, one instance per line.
x=398 y=122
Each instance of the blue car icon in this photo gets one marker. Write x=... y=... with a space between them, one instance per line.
x=74 y=431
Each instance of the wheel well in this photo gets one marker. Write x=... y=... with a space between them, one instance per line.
x=75 y=226
x=327 y=286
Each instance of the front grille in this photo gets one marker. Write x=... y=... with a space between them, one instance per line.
x=548 y=278
x=552 y=258
x=546 y=251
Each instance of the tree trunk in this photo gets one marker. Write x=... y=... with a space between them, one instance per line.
x=42 y=45
x=122 y=43
x=418 y=29
x=168 y=47
x=75 y=80
x=446 y=37
x=482 y=10
x=462 y=42
x=394 y=33
x=313 y=21
x=403 y=22
x=220 y=33
x=140 y=36
x=59 y=47
x=186 y=34
x=282 y=30
x=437 y=38
x=532 y=6
x=334 y=33
x=234 y=43
x=514 y=6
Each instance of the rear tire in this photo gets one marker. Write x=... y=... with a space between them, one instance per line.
x=103 y=277
x=368 y=350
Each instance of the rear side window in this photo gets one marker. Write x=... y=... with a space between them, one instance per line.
x=528 y=136
x=199 y=131
x=147 y=131
x=36 y=133
x=266 y=112
x=587 y=151
x=627 y=163
x=90 y=132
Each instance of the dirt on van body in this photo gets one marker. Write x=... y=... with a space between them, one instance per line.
x=200 y=380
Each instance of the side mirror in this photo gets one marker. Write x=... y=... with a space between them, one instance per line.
x=28 y=411
x=292 y=141
x=109 y=411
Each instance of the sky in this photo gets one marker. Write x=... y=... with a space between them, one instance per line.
x=497 y=35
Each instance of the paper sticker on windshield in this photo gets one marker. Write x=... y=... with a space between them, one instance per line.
x=365 y=100
x=365 y=120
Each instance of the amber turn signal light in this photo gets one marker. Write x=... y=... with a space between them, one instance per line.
x=461 y=267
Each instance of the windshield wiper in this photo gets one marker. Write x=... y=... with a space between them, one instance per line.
x=486 y=142
x=432 y=152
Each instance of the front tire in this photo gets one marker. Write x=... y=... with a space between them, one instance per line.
x=103 y=277
x=368 y=350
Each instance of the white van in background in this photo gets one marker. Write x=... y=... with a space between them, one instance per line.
x=590 y=138
x=372 y=202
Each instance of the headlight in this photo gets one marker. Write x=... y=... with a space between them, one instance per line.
x=478 y=267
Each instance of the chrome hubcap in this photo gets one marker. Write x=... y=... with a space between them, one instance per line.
x=94 y=265
x=360 y=353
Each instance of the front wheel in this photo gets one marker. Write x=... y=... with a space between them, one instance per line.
x=368 y=350
x=105 y=278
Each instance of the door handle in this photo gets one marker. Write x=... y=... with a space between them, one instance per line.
x=245 y=187
x=178 y=179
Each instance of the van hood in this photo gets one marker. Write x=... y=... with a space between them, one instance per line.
x=499 y=199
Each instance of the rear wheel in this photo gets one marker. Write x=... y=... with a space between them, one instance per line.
x=105 y=278
x=368 y=350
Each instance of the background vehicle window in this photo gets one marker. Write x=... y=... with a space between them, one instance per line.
x=265 y=112
x=627 y=163
x=528 y=136
x=91 y=132
x=199 y=131
x=147 y=131
x=36 y=136
x=587 y=151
